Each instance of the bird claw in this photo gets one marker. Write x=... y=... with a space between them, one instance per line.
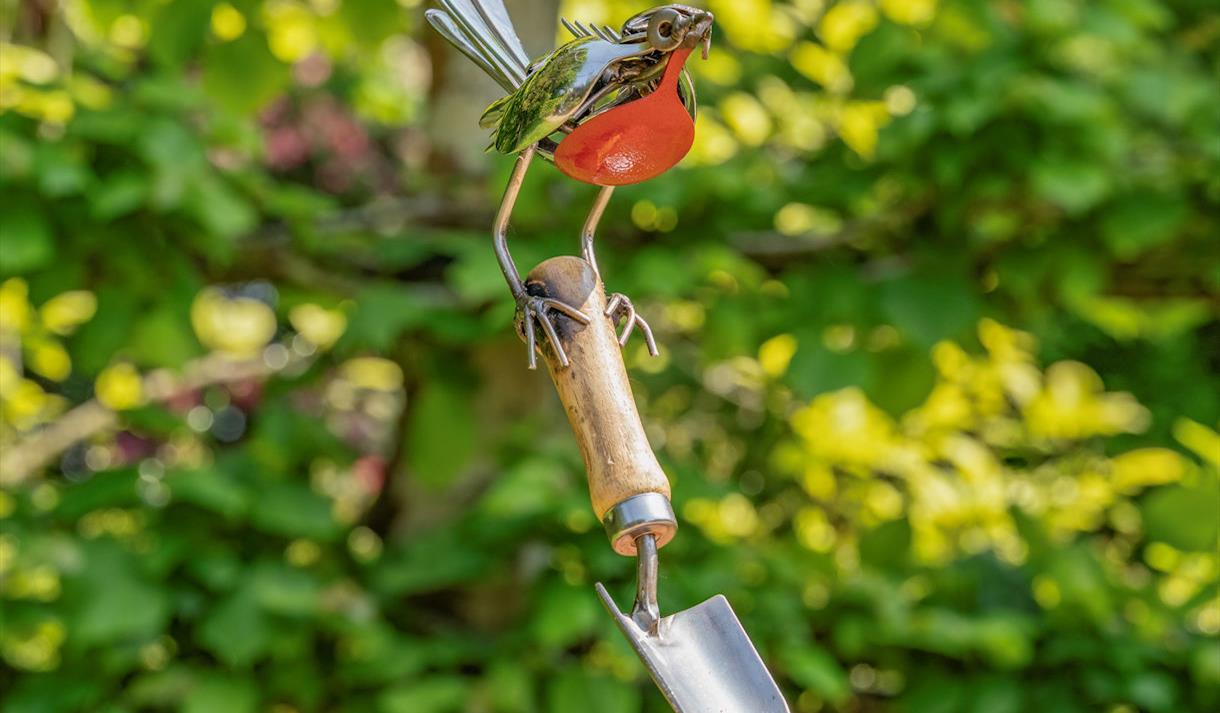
x=531 y=309
x=620 y=308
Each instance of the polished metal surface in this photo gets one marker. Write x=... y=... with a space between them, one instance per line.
x=702 y=660
x=488 y=23
x=645 y=612
x=557 y=88
x=495 y=15
x=589 y=231
x=450 y=30
x=691 y=26
x=534 y=310
x=500 y=228
x=620 y=308
x=686 y=90
x=547 y=98
x=643 y=514
x=665 y=28
x=482 y=30
x=577 y=29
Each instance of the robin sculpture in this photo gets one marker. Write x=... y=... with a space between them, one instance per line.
x=609 y=107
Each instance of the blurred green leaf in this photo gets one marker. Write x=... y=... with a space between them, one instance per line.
x=930 y=308
x=442 y=434
x=222 y=211
x=237 y=630
x=114 y=603
x=992 y=694
x=104 y=489
x=575 y=690
x=282 y=590
x=528 y=489
x=212 y=489
x=51 y=693
x=511 y=687
x=887 y=545
x=165 y=688
x=433 y=695
x=120 y=193
x=369 y=21
x=1205 y=665
x=902 y=378
x=1183 y=517
x=1154 y=691
x=1075 y=185
x=294 y=510
x=813 y=667
x=384 y=311
x=222 y=693
x=564 y=615
x=1142 y=221
x=816 y=370
x=179 y=30
x=28 y=243
x=378 y=655
x=242 y=76
x=61 y=170
x=100 y=338
x=935 y=694
x=163 y=337
x=1005 y=642
x=428 y=563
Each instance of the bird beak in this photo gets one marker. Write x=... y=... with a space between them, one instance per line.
x=699 y=33
x=703 y=30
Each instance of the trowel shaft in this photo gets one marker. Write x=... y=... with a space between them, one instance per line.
x=645 y=613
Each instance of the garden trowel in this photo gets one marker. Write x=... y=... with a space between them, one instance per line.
x=700 y=658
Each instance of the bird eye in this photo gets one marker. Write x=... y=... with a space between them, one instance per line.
x=665 y=29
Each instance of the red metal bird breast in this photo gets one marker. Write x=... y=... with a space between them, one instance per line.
x=634 y=142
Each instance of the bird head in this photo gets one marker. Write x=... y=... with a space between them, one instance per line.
x=671 y=27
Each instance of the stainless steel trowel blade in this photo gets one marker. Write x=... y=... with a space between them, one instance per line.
x=702 y=660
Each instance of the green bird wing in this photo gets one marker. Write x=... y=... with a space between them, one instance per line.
x=492 y=115
x=556 y=87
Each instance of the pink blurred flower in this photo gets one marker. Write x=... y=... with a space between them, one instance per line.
x=369 y=471
x=286 y=148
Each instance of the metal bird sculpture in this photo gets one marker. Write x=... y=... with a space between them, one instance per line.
x=609 y=107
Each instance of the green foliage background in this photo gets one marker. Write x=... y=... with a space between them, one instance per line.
x=269 y=444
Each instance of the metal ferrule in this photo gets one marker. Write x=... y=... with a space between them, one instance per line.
x=639 y=515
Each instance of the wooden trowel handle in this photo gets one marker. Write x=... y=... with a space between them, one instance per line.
x=595 y=390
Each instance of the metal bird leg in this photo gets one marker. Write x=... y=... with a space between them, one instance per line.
x=583 y=107
x=589 y=231
x=500 y=234
x=619 y=306
x=531 y=308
